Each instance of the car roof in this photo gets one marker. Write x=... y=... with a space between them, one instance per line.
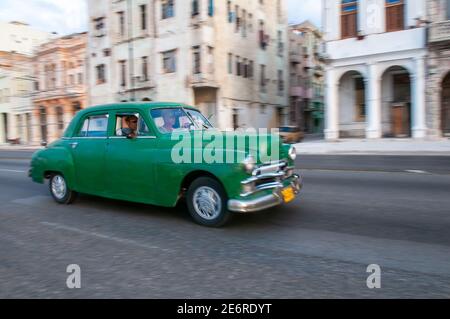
x=138 y=105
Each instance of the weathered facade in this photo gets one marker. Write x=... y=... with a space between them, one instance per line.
x=17 y=43
x=375 y=78
x=306 y=77
x=60 y=85
x=438 y=82
x=229 y=58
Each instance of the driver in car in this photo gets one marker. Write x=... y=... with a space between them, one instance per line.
x=131 y=130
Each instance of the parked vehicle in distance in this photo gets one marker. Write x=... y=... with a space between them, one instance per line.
x=124 y=151
x=291 y=134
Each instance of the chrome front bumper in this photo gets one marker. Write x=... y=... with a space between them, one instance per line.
x=266 y=201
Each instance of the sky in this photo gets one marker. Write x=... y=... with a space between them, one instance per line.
x=69 y=16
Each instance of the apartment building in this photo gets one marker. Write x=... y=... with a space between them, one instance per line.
x=376 y=68
x=306 y=77
x=17 y=43
x=438 y=82
x=60 y=88
x=229 y=58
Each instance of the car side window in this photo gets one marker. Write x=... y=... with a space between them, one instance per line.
x=131 y=123
x=94 y=126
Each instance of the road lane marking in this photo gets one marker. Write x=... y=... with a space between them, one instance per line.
x=416 y=171
x=103 y=236
x=11 y=170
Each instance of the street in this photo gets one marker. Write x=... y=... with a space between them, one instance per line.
x=353 y=211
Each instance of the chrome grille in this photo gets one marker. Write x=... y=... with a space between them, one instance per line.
x=267 y=176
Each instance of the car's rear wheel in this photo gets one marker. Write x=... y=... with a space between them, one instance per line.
x=207 y=202
x=60 y=191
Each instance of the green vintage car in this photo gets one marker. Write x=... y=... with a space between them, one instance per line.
x=126 y=151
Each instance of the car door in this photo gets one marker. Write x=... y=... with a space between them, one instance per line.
x=130 y=162
x=88 y=147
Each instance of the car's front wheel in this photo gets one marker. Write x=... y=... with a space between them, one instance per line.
x=60 y=191
x=207 y=202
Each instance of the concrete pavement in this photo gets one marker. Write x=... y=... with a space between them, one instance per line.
x=318 y=246
x=375 y=147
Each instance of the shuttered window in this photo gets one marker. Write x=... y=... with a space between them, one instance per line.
x=448 y=9
x=349 y=18
x=395 y=15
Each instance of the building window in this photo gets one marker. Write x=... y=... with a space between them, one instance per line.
x=349 y=17
x=238 y=66
x=60 y=118
x=169 y=61
x=229 y=12
x=395 y=19
x=80 y=78
x=123 y=73
x=360 y=100
x=448 y=9
x=145 y=68
x=230 y=63
x=250 y=70
x=245 y=68
x=197 y=60
x=238 y=21
x=99 y=26
x=121 y=18
x=263 y=78
x=195 y=8
x=101 y=74
x=167 y=7
x=143 y=9
x=280 y=43
x=211 y=8
x=280 y=82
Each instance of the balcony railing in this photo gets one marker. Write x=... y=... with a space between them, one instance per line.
x=440 y=31
x=203 y=80
x=68 y=91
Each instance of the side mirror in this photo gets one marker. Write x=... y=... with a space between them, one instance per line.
x=44 y=143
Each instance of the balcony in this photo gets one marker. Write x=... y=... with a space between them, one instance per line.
x=439 y=32
x=62 y=92
x=300 y=91
x=295 y=57
x=372 y=44
x=203 y=80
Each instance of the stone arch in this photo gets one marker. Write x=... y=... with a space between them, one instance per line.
x=396 y=101
x=445 y=104
x=352 y=104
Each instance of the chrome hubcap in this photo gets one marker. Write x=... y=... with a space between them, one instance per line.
x=59 y=187
x=207 y=203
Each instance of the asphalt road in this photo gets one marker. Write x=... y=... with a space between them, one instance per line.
x=354 y=211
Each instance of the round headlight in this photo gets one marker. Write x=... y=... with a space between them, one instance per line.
x=292 y=153
x=249 y=164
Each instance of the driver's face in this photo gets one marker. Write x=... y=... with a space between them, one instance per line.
x=132 y=123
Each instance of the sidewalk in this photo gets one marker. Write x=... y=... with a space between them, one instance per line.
x=8 y=147
x=375 y=147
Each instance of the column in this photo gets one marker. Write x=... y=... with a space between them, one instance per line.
x=36 y=137
x=373 y=103
x=418 y=103
x=52 y=125
x=2 y=129
x=331 y=107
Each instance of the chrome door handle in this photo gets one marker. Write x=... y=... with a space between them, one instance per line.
x=74 y=145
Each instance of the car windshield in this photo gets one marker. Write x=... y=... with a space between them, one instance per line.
x=178 y=119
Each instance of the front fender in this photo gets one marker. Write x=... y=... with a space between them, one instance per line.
x=53 y=159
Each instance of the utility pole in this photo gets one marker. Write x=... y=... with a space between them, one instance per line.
x=131 y=50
